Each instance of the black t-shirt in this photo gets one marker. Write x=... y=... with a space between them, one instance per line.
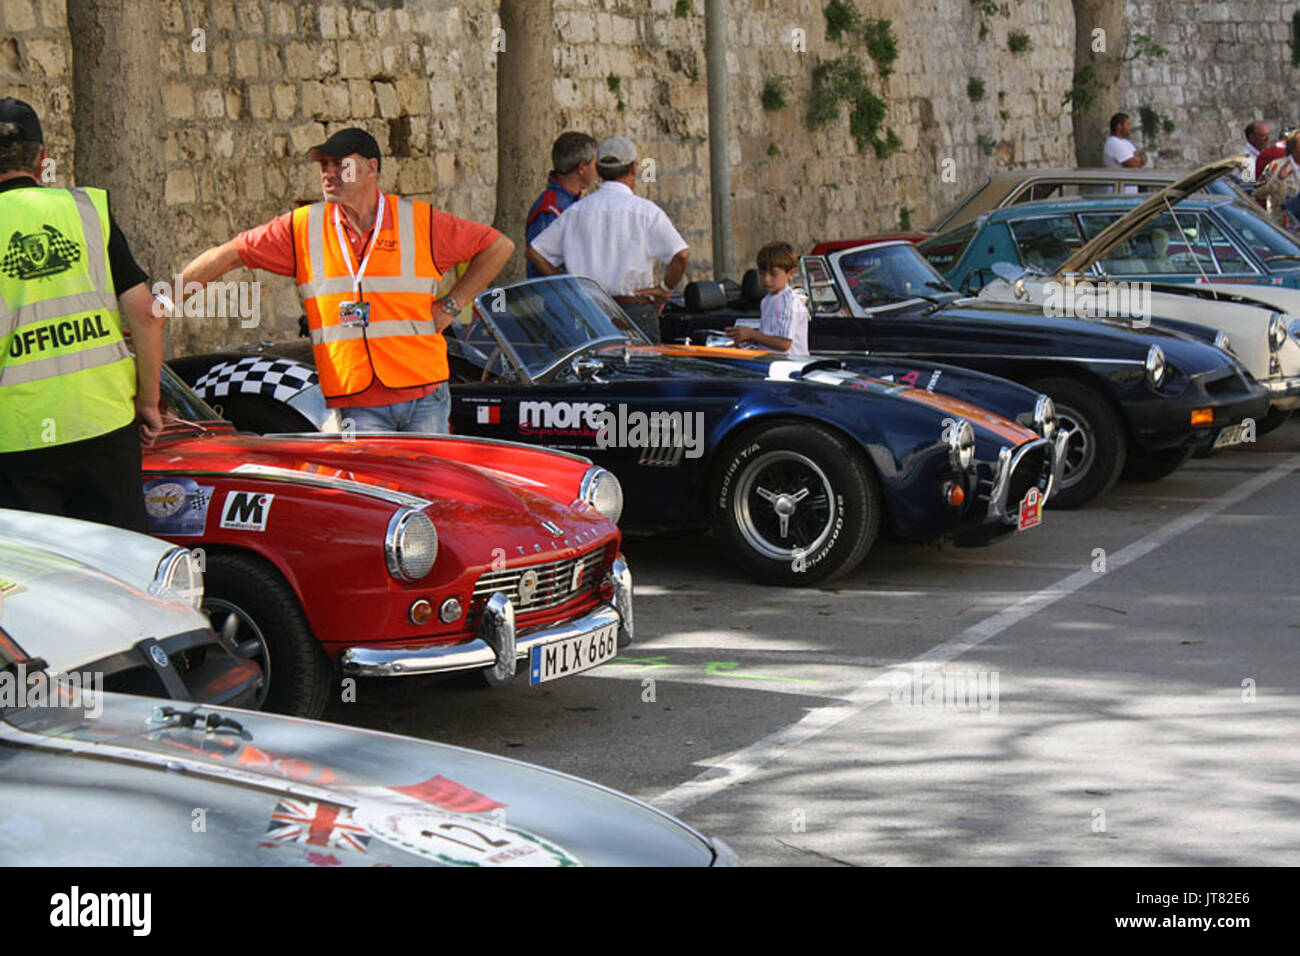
x=126 y=271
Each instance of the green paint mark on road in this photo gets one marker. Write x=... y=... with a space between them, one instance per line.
x=727 y=668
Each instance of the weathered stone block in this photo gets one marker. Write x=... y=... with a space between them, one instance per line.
x=305 y=136
x=178 y=101
x=179 y=188
x=338 y=105
x=362 y=99
x=19 y=15
x=285 y=98
x=246 y=58
x=351 y=62
x=386 y=94
x=259 y=101
x=212 y=104
x=47 y=57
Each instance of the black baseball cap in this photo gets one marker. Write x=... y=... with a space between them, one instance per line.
x=346 y=142
x=19 y=113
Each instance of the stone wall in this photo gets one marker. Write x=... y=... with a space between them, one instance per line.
x=1228 y=63
x=36 y=66
x=787 y=182
x=245 y=86
x=243 y=100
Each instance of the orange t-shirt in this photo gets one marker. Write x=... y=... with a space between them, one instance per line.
x=454 y=240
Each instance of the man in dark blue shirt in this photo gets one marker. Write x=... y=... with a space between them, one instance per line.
x=573 y=169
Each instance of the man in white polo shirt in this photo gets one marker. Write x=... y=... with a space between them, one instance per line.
x=616 y=237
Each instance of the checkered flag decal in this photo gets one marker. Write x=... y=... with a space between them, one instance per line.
x=280 y=379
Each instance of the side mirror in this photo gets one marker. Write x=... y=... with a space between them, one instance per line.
x=1014 y=276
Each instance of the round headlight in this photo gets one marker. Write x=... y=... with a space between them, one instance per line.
x=1222 y=341
x=179 y=578
x=601 y=490
x=1276 y=331
x=411 y=545
x=1156 y=366
x=1045 y=416
x=961 y=444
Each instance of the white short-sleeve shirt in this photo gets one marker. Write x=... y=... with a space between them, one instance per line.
x=1117 y=152
x=612 y=236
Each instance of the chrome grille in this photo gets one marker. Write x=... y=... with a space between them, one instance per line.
x=554 y=581
x=1033 y=469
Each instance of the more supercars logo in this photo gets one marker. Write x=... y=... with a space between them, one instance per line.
x=560 y=418
x=1099 y=300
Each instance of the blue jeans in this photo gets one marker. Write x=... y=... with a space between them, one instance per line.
x=429 y=415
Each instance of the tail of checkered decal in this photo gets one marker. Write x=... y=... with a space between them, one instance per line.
x=276 y=378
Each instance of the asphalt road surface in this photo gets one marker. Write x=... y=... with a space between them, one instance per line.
x=1115 y=687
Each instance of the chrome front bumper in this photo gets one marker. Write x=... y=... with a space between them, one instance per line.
x=999 y=507
x=1286 y=389
x=498 y=647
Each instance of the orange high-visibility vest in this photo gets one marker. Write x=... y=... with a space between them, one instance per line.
x=400 y=345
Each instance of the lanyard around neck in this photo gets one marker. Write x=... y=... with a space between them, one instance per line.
x=370 y=247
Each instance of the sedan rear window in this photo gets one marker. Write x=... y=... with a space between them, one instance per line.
x=942 y=252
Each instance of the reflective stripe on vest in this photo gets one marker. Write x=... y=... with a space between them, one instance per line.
x=66 y=374
x=401 y=345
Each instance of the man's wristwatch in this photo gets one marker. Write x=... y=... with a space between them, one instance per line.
x=666 y=287
x=450 y=305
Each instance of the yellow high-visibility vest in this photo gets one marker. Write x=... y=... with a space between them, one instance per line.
x=65 y=371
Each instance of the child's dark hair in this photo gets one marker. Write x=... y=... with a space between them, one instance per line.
x=780 y=255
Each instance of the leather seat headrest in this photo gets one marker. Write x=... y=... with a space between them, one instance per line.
x=703 y=296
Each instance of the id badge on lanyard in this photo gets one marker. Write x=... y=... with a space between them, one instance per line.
x=353 y=312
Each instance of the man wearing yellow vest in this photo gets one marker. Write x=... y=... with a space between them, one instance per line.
x=70 y=392
x=367 y=265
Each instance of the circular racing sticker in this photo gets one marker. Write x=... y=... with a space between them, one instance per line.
x=456 y=839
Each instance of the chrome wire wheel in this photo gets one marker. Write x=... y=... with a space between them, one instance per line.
x=784 y=503
x=1080 y=448
x=235 y=625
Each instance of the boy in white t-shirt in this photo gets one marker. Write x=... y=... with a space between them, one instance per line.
x=783 y=326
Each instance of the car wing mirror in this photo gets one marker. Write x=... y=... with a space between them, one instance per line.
x=1014 y=275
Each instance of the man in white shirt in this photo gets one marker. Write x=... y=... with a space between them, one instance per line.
x=1120 y=151
x=1257 y=138
x=616 y=237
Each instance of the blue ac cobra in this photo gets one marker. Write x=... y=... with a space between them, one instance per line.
x=795 y=464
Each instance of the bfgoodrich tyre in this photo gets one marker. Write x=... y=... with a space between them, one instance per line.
x=795 y=505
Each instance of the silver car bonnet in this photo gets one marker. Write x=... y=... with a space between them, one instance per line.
x=372 y=798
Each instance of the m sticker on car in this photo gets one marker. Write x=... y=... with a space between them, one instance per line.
x=246 y=510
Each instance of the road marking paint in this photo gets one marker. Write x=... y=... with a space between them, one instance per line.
x=731 y=769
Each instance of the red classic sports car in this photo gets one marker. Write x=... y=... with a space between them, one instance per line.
x=389 y=555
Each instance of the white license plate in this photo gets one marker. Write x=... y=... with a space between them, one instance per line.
x=572 y=655
x=1229 y=436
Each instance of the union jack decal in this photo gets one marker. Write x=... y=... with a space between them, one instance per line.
x=316 y=824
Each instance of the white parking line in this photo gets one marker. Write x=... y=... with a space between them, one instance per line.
x=729 y=770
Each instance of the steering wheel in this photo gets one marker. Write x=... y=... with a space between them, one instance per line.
x=487 y=366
